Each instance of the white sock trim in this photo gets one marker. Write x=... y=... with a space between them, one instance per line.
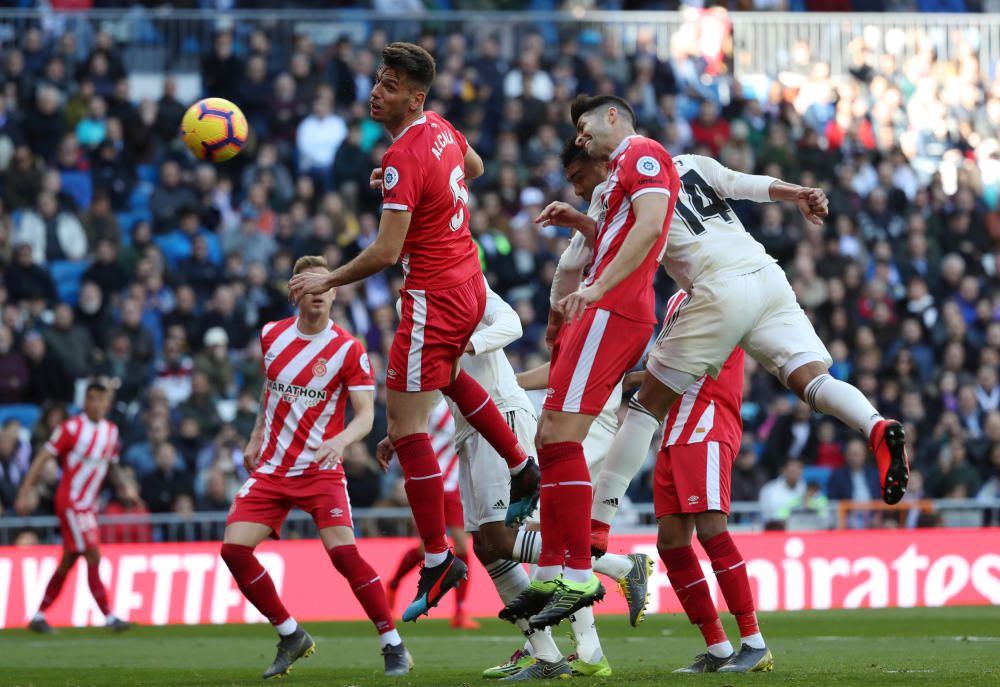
x=578 y=574
x=721 y=650
x=613 y=565
x=527 y=546
x=434 y=559
x=390 y=638
x=588 y=643
x=288 y=627
x=754 y=641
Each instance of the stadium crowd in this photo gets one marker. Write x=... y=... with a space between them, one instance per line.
x=123 y=257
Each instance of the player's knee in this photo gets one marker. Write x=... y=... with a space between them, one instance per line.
x=654 y=398
x=233 y=554
x=92 y=556
x=673 y=533
x=710 y=525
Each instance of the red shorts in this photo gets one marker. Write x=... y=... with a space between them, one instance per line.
x=590 y=357
x=453 y=515
x=433 y=332
x=693 y=478
x=78 y=527
x=266 y=500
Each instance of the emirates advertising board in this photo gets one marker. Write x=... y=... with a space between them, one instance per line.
x=164 y=584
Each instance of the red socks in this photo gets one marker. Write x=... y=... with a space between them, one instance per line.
x=477 y=407
x=567 y=490
x=52 y=590
x=424 y=489
x=97 y=588
x=688 y=581
x=462 y=591
x=365 y=584
x=731 y=572
x=408 y=562
x=254 y=581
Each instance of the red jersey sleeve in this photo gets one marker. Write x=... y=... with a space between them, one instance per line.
x=358 y=369
x=62 y=440
x=647 y=169
x=402 y=181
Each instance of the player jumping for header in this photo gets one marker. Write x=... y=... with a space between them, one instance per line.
x=425 y=227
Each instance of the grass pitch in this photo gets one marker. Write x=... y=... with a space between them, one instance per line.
x=866 y=648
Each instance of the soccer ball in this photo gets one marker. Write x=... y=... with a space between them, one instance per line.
x=214 y=129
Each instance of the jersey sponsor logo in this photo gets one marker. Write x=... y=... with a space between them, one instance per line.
x=365 y=364
x=319 y=369
x=442 y=141
x=647 y=166
x=390 y=177
x=291 y=393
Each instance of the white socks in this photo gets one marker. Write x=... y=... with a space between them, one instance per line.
x=510 y=579
x=588 y=645
x=721 y=650
x=390 y=638
x=547 y=573
x=527 y=546
x=577 y=575
x=625 y=458
x=754 y=641
x=288 y=627
x=432 y=560
x=843 y=401
x=614 y=565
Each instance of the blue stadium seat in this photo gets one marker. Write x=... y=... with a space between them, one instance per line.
x=67 y=275
x=820 y=474
x=25 y=413
x=79 y=186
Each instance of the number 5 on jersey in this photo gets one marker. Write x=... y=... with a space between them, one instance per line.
x=460 y=196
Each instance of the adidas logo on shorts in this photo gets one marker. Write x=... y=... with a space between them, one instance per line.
x=499 y=505
x=611 y=502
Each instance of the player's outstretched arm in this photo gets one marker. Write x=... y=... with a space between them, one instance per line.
x=331 y=452
x=812 y=202
x=565 y=215
x=534 y=379
x=650 y=212
x=503 y=327
x=381 y=254
x=27 y=497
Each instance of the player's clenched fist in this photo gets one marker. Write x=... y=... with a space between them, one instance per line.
x=813 y=204
x=383 y=453
x=375 y=180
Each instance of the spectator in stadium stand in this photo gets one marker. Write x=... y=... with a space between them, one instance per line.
x=106 y=271
x=141 y=454
x=318 y=137
x=200 y=405
x=49 y=379
x=125 y=501
x=14 y=461
x=70 y=343
x=168 y=481
x=14 y=373
x=52 y=234
x=777 y=495
x=748 y=477
x=169 y=197
x=214 y=363
x=793 y=437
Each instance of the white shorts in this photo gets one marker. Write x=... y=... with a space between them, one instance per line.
x=483 y=477
x=755 y=311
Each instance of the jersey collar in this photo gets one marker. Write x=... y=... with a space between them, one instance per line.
x=422 y=119
x=302 y=335
x=622 y=146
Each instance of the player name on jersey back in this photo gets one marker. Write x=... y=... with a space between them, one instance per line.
x=423 y=173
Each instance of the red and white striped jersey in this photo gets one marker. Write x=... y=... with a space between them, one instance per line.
x=638 y=166
x=84 y=449
x=710 y=408
x=309 y=377
x=442 y=431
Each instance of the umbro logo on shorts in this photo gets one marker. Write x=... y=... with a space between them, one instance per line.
x=693 y=499
x=336 y=512
x=499 y=505
x=390 y=373
x=611 y=502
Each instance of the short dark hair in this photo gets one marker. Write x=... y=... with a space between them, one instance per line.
x=571 y=152
x=412 y=61
x=583 y=104
x=96 y=385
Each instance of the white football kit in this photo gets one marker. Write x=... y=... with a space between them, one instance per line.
x=484 y=479
x=738 y=295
